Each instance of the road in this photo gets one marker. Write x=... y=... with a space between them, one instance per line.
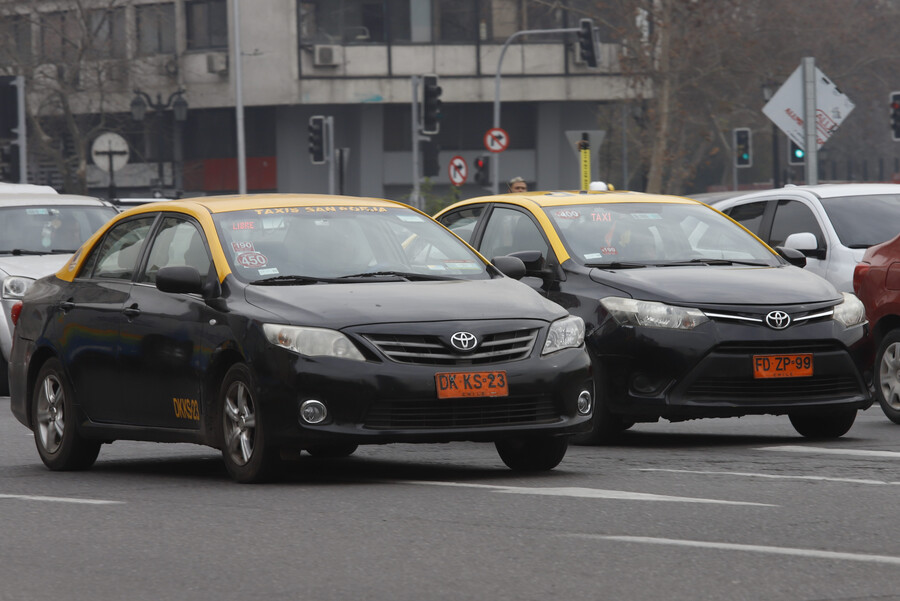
x=740 y=509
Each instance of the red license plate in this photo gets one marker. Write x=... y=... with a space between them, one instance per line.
x=783 y=366
x=460 y=384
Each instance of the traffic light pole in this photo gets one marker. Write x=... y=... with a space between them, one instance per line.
x=495 y=159
x=415 y=199
x=809 y=121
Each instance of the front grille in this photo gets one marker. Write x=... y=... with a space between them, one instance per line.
x=460 y=413
x=429 y=350
x=774 y=389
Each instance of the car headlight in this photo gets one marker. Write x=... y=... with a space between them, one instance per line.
x=851 y=311
x=312 y=342
x=16 y=286
x=567 y=332
x=629 y=311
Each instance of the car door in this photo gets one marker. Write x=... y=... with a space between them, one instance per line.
x=161 y=350
x=92 y=314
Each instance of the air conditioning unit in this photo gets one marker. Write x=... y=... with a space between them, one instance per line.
x=326 y=55
x=217 y=62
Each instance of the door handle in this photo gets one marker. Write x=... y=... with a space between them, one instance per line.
x=131 y=312
x=66 y=306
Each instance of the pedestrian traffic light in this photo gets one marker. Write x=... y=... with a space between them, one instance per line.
x=317 y=139
x=430 y=164
x=588 y=48
x=431 y=104
x=743 y=153
x=796 y=155
x=483 y=170
x=895 y=115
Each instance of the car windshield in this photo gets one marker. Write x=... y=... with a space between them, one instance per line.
x=861 y=221
x=639 y=234
x=295 y=245
x=41 y=229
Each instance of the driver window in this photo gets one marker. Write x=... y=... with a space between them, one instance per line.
x=119 y=252
x=791 y=217
x=178 y=242
x=510 y=231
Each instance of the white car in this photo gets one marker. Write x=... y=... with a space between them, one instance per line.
x=832 y=224
x=39 y=231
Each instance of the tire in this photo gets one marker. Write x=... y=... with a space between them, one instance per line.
x=247 y=456
x=56 y=436
x=332 y=451
x=4 y=377
x=831 y=424
x=606 y=427
x=532 y=454
x=887 y=375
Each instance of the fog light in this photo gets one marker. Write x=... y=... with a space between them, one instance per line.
x=585 y=402
x=313 y=412
x=642 y=383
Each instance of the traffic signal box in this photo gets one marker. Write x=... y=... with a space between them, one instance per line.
x=743 y=153
x=895 y=115
x=317 y=139
x=588 y=48
x=430 y=164
x=796 y=155
x=483 y=170
x=431 y=104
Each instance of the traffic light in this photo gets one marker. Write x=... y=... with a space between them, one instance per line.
x=895 y=115
x=430 y=164
x=317 y=139
x=9 y=163
x=796 y=155
x=588 y=48
x=483 y=170
x=431 y=104
x=743 y=153
x=9 y=108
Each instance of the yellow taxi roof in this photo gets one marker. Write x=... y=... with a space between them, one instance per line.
x=561 y=198
x=239 y=202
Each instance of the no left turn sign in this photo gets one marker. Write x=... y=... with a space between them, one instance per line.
x=496 y=139
x=458 y=170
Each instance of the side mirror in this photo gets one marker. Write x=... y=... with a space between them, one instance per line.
x=806 y=243
x=792 y=255
x=509 y=266
x=179 y=279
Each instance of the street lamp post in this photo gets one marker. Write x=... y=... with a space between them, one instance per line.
x=769 y=89
x=139 y=105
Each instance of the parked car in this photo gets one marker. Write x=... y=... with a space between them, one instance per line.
x=876 y=281
x=831 y=224
x=686 y=314
x=38 y=232
x=259 y=324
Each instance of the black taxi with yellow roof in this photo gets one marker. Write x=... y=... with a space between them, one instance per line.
x=687 y=314
x=265 y=323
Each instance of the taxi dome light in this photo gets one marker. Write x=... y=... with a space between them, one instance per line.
x=313 y=411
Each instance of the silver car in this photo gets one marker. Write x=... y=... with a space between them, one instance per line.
x=832 y=224
x=39 y=231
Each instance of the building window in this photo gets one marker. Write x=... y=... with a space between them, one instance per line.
x=207 y=24
x=156 y=29
x=352 y=21
x=59 y=36
x=455 y=21
x=107 y=33
x=15 y=38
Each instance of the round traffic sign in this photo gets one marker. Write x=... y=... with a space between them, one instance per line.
x=110 y=150
x=458 y=170
x=496 y=139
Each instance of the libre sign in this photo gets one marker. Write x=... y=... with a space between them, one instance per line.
x=785 y=109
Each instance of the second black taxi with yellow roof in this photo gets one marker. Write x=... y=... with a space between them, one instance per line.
x=687 y=314
x=260 y=324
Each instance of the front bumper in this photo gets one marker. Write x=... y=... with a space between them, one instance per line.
x=383 y=402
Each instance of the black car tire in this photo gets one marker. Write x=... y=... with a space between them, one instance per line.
x=887 y=375
x=4 y=377
x=831 y=424
x=56 y=436
x=332 y=450
x=532 y=454
x=606 y=427
x=247 y=456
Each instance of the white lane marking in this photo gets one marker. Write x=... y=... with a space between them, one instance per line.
x=770 y=476
x=828 y=451
x=61 y=500
x=586 y=493
x=815 y=553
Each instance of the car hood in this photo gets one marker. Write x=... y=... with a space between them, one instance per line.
x=32 y=266
x=726 y=285
x=344 y=305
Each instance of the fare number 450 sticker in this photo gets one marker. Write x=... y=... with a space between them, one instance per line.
x=247 y=256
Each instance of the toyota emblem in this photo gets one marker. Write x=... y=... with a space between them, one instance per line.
x=778 y=320
x=463 y=341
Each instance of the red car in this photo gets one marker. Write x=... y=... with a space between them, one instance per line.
x=876 y=281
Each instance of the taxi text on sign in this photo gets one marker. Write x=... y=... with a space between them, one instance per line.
x=785 y=109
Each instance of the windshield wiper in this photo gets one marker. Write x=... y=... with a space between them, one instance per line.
x=616 y=265
x=724 y=262
x=21 y=251
x=292 y=280
x=405 y=275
